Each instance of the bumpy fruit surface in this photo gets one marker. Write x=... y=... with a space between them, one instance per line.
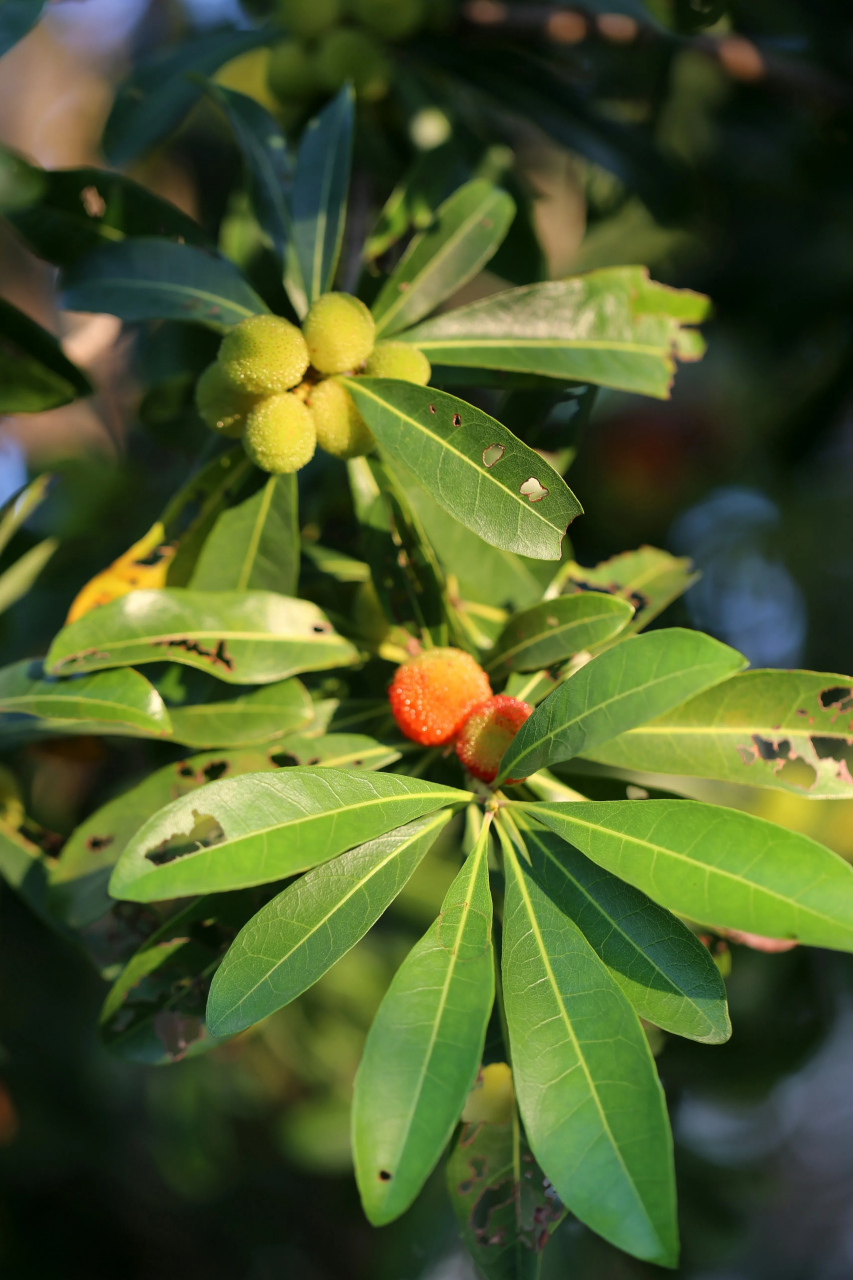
x=399 y=360
x=279 y=435
x=486 y=734
x=309 y=18
x=340 y=428
x=348 y=54
x=220 y=406
x=340 y=333
x=292 y=72
x=391 y=19
x=432 y=694
x=264 y=355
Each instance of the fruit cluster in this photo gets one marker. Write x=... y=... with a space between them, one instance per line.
x=273 y=384
x=444 y=696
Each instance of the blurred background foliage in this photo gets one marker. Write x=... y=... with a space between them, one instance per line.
x=709 y=140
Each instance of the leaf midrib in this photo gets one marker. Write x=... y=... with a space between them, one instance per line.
x=544 y=344
x=166 y=287
x=505 y=655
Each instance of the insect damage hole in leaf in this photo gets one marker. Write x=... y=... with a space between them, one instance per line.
x=533 y=490
x=206 y=832
x=839 y=697
x=493 y=455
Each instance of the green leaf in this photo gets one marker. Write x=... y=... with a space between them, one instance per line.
x=120 y=699
x=424 y=1048
x=614 y=327
x=472 y=466
x=318 y=200
x=35 y=374
x=148 y=279
x=254 y=717
x=254 y=546
x=74 y=211
x=17 y=17
x=195 y=508
x=636 y=680
x=161 y=90
x=468 y=229
x=790 y=730
x=585 y=1079
x=17 y=510
x=412 y=204
x=20 y=577
x=78 y=879
x=664 y=970
x=557 y=629
x=717 y=866
x=240 y=637
x=251 y=830
x=648 y=579
x=293 y=940
x=343 y=751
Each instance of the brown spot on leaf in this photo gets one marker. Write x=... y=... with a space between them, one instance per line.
x=217 y=657
x=96 y=843
x=93 y=202
x=457 y=419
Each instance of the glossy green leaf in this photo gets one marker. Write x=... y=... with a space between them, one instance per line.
x=556 y=629
x=161 y=90
x=791 y=730
x=664 y=970
x=148 y=279
x=585 y=1079
x=17 y=17
x=634 y=681
x=468 y=229
x=318 y=200
x=472 y=466
x=256 y=716
x=614 y=327
x=121 y=698
x=293 y=940
x=193 y=511
x=21 y=576
x=648 y=579
x=424 y=1048
x=254 y=546
x=35 y=374
x=342 y=751
x=251 y=830
x=240 y=637
x=717 y=866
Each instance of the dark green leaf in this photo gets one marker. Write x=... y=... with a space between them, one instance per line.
x=17 y=17
x=120 y=699
x=34 y=373
x=255 y=717
x=255 y=546
x=557 y=629
x=292 y=941
x=194 y=509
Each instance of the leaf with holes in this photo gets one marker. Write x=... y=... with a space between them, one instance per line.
x=636 y=680
x=240 y=637
x=35 y=374
x=423 y=1050
x=293 y=940
x=21 y=577
x=255 y=829
x=254 y=546
x=648 y=579
x=614 y=328
x=472 y=466
x=343 y=751
x=468 y=229
x=557 y=629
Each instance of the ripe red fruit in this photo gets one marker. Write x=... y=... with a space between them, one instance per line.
x=487 y=733
x=432 y=694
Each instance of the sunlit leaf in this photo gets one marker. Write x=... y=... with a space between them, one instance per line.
x=122 y=699
x=557 y=629
x=342 y=751
x=145 y=565
x=254 y=546
x=195 y=508
x=649 y=579
x=255 y=716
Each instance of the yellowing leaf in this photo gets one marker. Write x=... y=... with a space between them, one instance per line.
x=145 y=565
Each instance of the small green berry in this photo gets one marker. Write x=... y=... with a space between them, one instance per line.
x=391 y=19
x=220 y=406
x=340 y=333
x=340 y=428
x=279 y=435
x=348 y=54
x=308 y=18
x=264 y=355
x=292 y=72
x=399 y=360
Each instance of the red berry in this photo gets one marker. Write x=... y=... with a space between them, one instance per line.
x=487 y=733
x=432 y=694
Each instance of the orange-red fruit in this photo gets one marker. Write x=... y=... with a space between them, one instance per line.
x=432 y=694
x=487 y=733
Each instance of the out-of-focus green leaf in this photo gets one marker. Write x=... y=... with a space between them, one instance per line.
x=35 y=374
x=20 y=507
x=148 y=279
x=424 y=1048
x=717 y=866
x=240 y=637
x=636 y=680
x=468 y=229
x=251 y=830
x=122 y=698
x=17 y=580
x=342 y=751
x=292 y=941
x=614 y=327
x=472 y=466
x=414 y=201
x=648 y=579
x=254 y=546
x=557 y=629
x=585 y=1079
x=790 y=730
x=318 y=200
x=17 y=17
x=194 y=509
x=255 y=717
x=24 y=868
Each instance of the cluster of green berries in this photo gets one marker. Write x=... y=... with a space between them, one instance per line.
x=333 y=41
x=274 y=384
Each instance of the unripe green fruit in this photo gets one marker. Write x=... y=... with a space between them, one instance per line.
x=348 y=54
x=340 y=332
x=220 y=406
x=279 y=435
x=264 y=355
x=340 y=428
x=399 y=360
x=391 y=19
x=292 y=72
x=308 y=18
